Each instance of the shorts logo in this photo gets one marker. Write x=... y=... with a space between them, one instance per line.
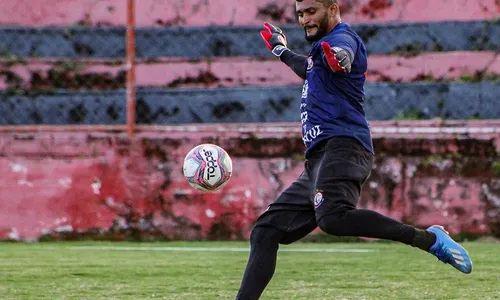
x=310 y=63
x=318 y=199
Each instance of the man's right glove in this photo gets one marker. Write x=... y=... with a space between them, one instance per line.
x=274 y=38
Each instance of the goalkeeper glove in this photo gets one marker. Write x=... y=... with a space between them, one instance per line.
x=274 y=38
x=337 y=58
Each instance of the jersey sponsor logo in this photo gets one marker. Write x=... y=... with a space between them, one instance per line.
x=305 y=89
x=303 y=117
x=310 y=63
x=311 y=134
x=318 y=198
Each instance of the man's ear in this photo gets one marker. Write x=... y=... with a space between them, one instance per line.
x=334 y=8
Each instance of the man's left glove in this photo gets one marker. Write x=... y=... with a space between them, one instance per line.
x=274 y=38
x=337 y=58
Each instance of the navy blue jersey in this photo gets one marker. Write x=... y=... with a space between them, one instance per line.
x=332 y=102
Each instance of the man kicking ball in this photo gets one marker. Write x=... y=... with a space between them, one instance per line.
x=339 y=153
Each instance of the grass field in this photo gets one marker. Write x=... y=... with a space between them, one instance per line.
x=89 y=270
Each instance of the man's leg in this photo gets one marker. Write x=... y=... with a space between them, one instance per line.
x=287 y=220
x=261 y=262
x=338 y=180
x=264 y=241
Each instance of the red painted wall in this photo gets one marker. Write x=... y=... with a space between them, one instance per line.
x=107 y=186
x=104 y=185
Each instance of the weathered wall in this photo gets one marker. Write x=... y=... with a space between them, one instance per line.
x=106 y=186
x=247 y=104
x=237 y=12
x=36 y=60
x=234 y=72
x=231 y=41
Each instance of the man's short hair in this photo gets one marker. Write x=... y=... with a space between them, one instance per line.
x=326 y=3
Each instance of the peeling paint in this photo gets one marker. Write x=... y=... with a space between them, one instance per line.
x=96 y=186
x=210 y=213
x=494 y=199
x=464 y=66
x=65 y=228
x=65 y=182
x=237 y=12
x=13 y=235
x=18 y=168
x=22 y=182
x=135 y=190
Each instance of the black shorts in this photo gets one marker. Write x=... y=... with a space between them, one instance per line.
x=331 y=182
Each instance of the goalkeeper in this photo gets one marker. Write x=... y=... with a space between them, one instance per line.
x=339 y=153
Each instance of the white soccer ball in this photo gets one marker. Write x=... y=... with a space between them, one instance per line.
x=207 y=167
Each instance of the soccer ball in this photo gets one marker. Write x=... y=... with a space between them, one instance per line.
x=207 y=167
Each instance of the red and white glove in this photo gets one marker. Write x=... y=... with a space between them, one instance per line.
x=337 y=58
x=274 y=38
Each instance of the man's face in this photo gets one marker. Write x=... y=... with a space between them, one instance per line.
x=313 y=16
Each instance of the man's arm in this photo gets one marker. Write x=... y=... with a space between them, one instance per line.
x=296 y=62
x=276 y=42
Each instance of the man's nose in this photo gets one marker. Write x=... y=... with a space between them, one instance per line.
x=306 y=21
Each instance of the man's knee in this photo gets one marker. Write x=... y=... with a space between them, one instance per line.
x=334 y=223
x=288 y=239
x=263 y=236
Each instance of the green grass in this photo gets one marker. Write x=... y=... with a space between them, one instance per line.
x=394 y=271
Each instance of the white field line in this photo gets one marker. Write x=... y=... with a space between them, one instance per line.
x=213 y=249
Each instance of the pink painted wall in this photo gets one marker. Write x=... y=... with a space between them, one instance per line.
x=242 y=71
x=105 y=185
x=237 y=12
x=245 y=71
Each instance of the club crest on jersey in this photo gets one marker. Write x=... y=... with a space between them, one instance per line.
x=318 y=199
x=310 y=63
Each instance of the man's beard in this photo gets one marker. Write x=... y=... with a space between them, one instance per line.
x=321 y=32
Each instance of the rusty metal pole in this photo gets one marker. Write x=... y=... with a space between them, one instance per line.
x=131 y=67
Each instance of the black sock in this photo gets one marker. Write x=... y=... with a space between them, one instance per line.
x=423 y=239
x=261 y=262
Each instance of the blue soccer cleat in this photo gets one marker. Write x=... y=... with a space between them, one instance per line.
x=449 y=251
